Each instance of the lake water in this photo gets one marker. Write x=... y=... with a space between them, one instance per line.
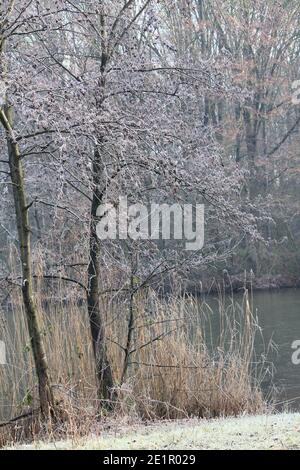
x=278 y=315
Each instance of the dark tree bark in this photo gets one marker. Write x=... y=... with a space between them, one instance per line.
x=97 y=322
x=103 y=369
x=22 y=219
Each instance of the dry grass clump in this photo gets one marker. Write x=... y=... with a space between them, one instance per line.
x=177 y=370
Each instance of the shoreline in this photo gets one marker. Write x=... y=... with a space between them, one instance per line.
x=228 y=285
x=237 y=284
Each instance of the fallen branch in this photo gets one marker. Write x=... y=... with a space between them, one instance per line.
x=18 y=418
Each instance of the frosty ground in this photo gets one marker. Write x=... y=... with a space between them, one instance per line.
x=267 y=432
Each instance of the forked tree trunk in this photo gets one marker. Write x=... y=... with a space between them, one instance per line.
x=22 y=219
x=97 y=320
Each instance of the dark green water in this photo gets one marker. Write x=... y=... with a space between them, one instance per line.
x=278 y=315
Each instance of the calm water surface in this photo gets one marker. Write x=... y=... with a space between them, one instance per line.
x=278 y=314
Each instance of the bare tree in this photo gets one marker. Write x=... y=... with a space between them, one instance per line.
x=8 y=14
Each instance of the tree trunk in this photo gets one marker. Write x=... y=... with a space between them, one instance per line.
x=103 y=369
x=97 y=322
x=22 y=219
x=251 y=143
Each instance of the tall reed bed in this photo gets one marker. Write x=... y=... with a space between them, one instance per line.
x=171 y=358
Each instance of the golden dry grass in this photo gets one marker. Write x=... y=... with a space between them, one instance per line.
x=175 y=367
x=172 y=369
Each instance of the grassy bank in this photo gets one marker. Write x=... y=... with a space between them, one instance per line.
x=266 y=432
